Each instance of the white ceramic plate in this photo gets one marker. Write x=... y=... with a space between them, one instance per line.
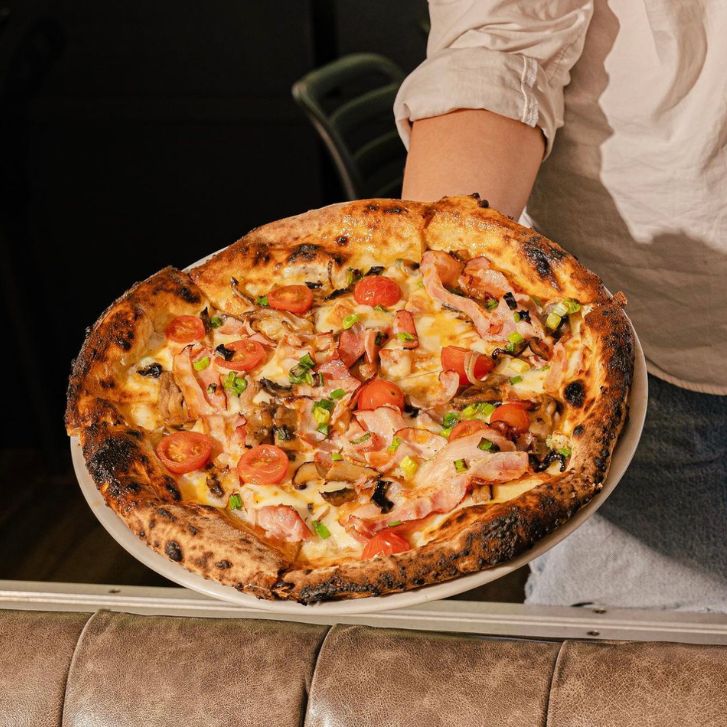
x=174 y=572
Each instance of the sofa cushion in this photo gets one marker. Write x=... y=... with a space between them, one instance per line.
x=157 y=670
x=368 y=676
x=632 y=684
x=35 y=651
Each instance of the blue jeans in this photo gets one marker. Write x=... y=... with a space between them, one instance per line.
x=660 y=539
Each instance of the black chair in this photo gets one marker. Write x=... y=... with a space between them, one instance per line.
x=349 y=102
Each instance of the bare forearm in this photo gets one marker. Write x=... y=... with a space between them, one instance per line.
x=473 y=151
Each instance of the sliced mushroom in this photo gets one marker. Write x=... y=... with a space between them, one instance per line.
x=277 y=325
x=339 y=497
x=346 y=471
x=275 y=389
x=306 y=473
x=171 y=400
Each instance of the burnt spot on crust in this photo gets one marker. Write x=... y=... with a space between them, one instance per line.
x=163 y=512
x=223 y=564
x=173 y=550
x=342 y=240
x=170 y=485
x=107 y=383
x=115 y=456
x=575 y=393
x=305 y=252
x=578 y=431
x=175 y=283
x=123 y=327
x=540 y=257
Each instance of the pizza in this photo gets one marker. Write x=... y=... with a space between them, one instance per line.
x=359 y=400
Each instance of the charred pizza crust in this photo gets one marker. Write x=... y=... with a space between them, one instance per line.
x=122 y=461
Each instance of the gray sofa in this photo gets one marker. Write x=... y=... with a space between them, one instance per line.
x=118 y=670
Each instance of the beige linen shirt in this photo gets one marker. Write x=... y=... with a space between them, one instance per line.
x=635 y=184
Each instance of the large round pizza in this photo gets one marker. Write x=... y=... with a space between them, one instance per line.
x=360 y=400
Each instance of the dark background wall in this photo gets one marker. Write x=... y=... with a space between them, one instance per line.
x=137 y=134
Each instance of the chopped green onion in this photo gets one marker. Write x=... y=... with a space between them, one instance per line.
x=516 y=317
x=572 y=305
x=516 y=380
x=349 y=321
x=307 y=361
x=363 y=438
x=515 y=337
x=201 y=364
x=446 y=432
x=394 y=523
x=408 y=466
x=300 y=375
x=395 y=442
x=323 y=429
x=380 y=308
x=420 y=283
x=565 y=451
x=460 y=465
x=234 y=502
x=326 y=404
x=450 y=419
x=338 y=394
x=485 y=445
x=491 y=304
x=211 y=388
x=261 y=300
x=322 y=416
x=215 y=322
x=336 y=456
x=234 y=383
x=486 y=408
x=352 y=276
x=404 y=336
x=538 y=301
x=470 y=411
x=321 y=530
x=560 y=309
x=552 y=321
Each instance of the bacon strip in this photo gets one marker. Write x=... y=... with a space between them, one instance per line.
x=486 y=325
x=197 y=404
x=384 y=421
x=351 y=344
x=480 y=279
x=404 y=323
x=279 y=521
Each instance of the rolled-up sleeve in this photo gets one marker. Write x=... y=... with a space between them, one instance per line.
x=512 y=58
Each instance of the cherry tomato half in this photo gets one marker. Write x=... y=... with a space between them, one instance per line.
x=185 y=329
x=464 y=429
x=294 y=298
x=184 y=452
x=266 y=464
x=247 y=355
x=377 y=290
x=379 y=393
x=453 y=359
x=513 y=415
x=385 y=542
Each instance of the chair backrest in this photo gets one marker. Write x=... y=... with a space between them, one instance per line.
x=349 y=102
